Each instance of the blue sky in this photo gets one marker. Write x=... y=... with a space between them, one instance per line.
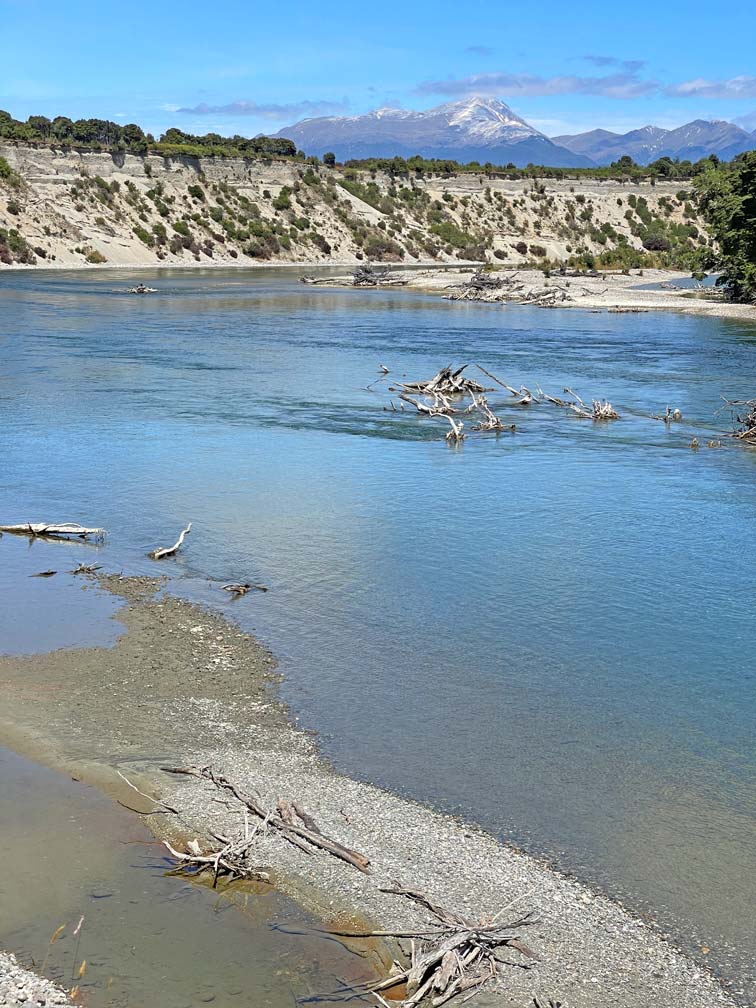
x=251 y=67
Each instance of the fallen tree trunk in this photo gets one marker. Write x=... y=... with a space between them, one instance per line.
x=53 y=530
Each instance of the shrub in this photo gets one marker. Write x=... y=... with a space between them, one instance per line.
x=196 y=192
x=143 y=235
x=182 y=228
x=283 y=201
x=13 y=208
x=95 y=256
x=538 y=251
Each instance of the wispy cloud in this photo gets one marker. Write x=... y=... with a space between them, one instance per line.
x=629 y=66
x=261 y=110
x=480 y=50
x=743 y=86
x=746 y=122
x=625 y=84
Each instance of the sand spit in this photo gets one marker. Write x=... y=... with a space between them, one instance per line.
x=184 y=686
x=602 y=292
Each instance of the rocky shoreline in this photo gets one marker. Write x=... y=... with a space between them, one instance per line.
x=184 y=686
x=20 y=987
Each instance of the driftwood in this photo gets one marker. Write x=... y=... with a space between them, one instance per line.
x=454 y=956
x=54 y=531
x=747 y=430
x=370 y=276
x=86 y=569
x=305 y=837
x=242 y=589
x=455 y=435
x=490 y=421
x=166 y=551
x=446 y=382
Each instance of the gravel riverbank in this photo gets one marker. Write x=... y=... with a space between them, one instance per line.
x=21 y=987
x=184 y=686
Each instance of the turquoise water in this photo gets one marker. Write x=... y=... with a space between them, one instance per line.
x=549 y=632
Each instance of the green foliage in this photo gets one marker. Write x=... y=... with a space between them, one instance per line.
x=95 y=256
x=727 y=198
x=452 y=235
x=196 y=192
x=283 y=200
x=143 y=235
x=7 y=174
x=15 y=248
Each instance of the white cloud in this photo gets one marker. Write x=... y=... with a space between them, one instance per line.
x=272 y=111
x=743 y=86
x=625 y=84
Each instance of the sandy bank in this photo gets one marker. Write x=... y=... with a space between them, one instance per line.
x=609 y=292
x=182 y=685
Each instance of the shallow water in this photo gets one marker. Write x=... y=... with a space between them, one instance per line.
x=146 y=937
x=549 y=632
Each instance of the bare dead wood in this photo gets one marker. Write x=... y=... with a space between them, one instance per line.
x=160 y=554
x=86 y=569
x=292 y=832
x=456 y=957
x=53 y=530
x=747 y=430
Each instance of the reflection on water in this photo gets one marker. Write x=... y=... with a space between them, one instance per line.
x=146 y=937
x=550 y=632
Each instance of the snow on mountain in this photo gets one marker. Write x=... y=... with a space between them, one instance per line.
x=478 y=128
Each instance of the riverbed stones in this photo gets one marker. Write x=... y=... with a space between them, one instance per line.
x=19 y=986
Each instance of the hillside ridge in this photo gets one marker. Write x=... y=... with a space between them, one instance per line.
x=85 y=208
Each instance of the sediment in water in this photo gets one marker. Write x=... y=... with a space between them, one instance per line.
x=184 y=686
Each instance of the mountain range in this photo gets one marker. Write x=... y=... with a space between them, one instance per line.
x=485 y=129
x=475 y=129
x=695 y=140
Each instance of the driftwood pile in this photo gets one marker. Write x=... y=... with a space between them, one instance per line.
x=288 y=819
x=452 y=956
x=491 y=287
x=747 y=430
x=444 y=395
x=369 y=275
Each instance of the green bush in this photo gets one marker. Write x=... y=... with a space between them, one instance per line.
x=143 y=235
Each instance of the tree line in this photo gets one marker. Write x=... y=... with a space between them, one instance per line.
x=104 y=135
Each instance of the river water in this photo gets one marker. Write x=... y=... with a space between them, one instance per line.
x=549 y=632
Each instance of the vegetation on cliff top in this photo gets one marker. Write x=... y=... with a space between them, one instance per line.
x=104 y=135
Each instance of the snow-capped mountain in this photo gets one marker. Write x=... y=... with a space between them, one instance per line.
x=691 y=142
x=475 y=129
